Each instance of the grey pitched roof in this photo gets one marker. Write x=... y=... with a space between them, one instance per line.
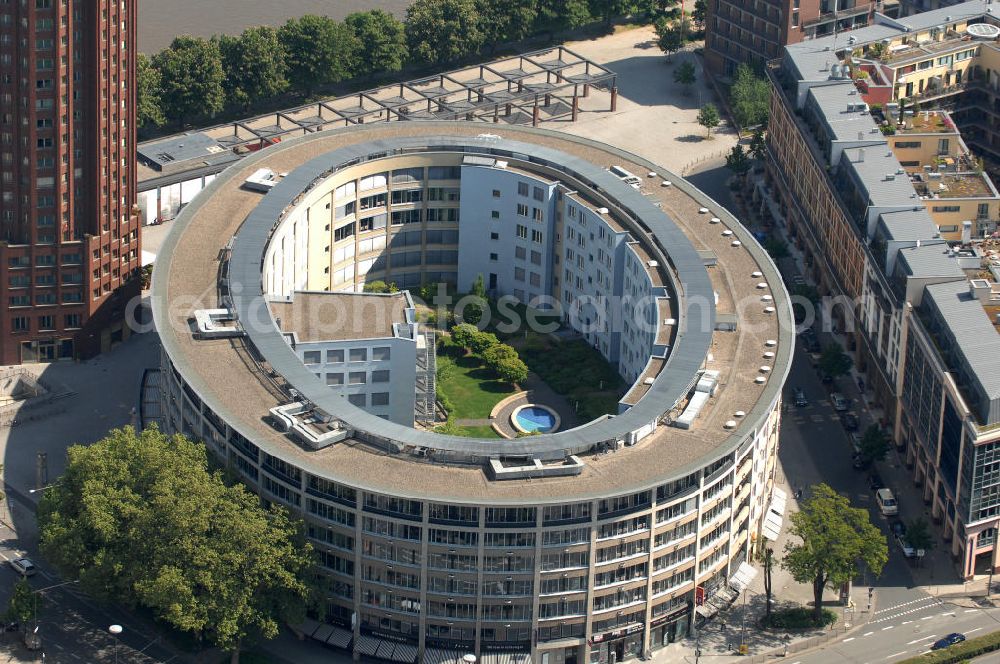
x=843 y=124
x=930 y=260
x=909 y=225
x=878 y=173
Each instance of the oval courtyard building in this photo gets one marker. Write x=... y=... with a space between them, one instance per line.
x=594 y=542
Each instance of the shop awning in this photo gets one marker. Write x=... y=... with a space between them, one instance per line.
x=775 y=515
x=743 y=577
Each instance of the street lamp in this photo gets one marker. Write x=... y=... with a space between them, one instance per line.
x=116 y=631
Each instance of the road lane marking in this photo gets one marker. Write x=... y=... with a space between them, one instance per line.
x=899 y=606
x=970 y=631
x=867 y=633
x=907 y=622
x=848 y=639
x=896 y=654
x=929 y=636
x=970 y=610
x=928 y=617
x=885 y=628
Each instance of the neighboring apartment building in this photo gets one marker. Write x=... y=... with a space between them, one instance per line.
x=893 y=212
x=68 y=225
x=754 y=31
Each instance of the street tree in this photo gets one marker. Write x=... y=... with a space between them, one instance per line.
x=555 y=15
x=918 y=534
x=834 y=539
x=738 y=161
x=142 y=520
x=874 y=445
x=149 y=110
x=508 y=21
x=443 y=31
x=749 y=97
x=478 y=287
x=834 y=361
x=463 y=334
x=254 y=63
x=21 y=607
x=191 y=78
x=685 y=75
x=382 y=40
x=318 y=51
x=767 y=558
x=708 y=117
x=777 y=248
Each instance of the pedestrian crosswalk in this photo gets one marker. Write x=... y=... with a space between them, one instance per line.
x=920 y=605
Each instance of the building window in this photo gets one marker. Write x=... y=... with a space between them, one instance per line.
x=358 y=400
x=496 y=193
x=357 y=378
x=522 y=188
x=520 y=253
x=522 y=210
x=518 y=274
x=380 y=398
x=538 y=194
x=494 y=236
x=536 y=236
x=494 y=257
x=72 y=320
x=381 y=353
x=336 y=355
x=522 y=232
x=359 y=354
x=312 y=357
x=20 y=324
x=46 y=322
x=380 y=376
x=495 y=214
x=335 y=379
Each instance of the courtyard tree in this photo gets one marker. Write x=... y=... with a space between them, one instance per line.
x=834 y=361
x=443 y=31
x=669 y=37
x=149 y=109
x=554 y=15
x=512 y=370
x=737 y=160
x=698 y=14
x=874 y=444
x=318 y=51
x=379 y=286
x=708 y=117
x=834 y=539
x=685 y=75
x=499 y=353
x=191 y=78
x=482 y=341
x=382 y=40
x=142 y=520
x=463 y=334
x=758 y=146
x=749 y=97
x=767 y=558
x=254 y=65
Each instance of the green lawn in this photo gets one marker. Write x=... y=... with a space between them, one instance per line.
x=466 y=385
x=475 y=431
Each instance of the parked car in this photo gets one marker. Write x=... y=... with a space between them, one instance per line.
x=810 y=341
x=800 y=398
x=886 y=502
x=950 y=640
x=23 y=566
x=858 y=462
x=898 y=529
x=850 y=421
x=875 y=482
x=839 y=401
x=905 y=547
x=855 y=438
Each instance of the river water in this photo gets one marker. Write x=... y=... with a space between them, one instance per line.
x=162 y=20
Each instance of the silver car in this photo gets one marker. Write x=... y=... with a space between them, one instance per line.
x=23 y=566
x=839 y=401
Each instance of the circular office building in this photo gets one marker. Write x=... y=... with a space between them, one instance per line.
x=577 y=543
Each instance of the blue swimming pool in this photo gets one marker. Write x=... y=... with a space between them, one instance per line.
x=536 y=418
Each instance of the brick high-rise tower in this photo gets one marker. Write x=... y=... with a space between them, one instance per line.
x=69 y=235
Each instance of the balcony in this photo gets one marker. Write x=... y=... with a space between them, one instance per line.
x=840 y=14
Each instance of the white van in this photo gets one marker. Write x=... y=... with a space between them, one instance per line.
x=625 y=176
x=886 y=502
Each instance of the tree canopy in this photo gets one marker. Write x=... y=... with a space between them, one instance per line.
x=834 y=361
x=709 y=118
x=191 y=78
x=318 y=51
x=149 y=103
x=737 y=160
x=669 y=37
x=21 y=607
x=254 y=65
x=508 y=21
x=685 y=75
x=749 y=97
x=874 y=444
x=834 y=539
x=141 y=519
x=382 y=39
x=440 y=31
